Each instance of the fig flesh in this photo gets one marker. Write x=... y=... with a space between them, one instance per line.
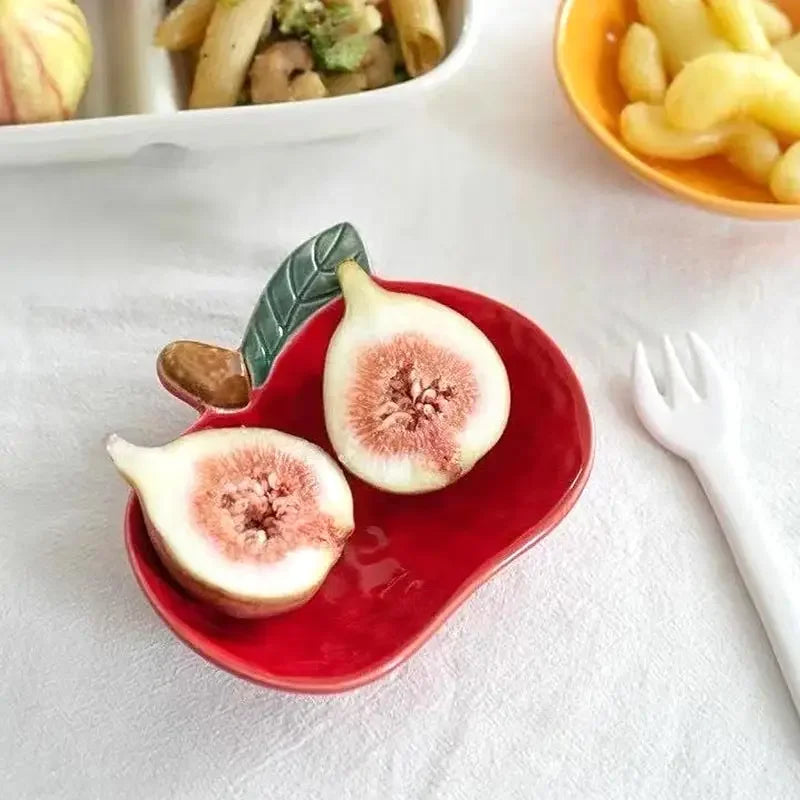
x=249 y=519
x=415 y=394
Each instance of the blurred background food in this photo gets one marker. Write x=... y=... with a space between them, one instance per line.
x=697 y=97
x=47 y=60
x=715 y=77
x=272 y=51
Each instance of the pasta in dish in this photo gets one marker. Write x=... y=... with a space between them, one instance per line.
x=272 y=51
x=420 y=32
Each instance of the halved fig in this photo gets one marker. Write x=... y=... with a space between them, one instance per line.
x=248 y=519
x=414 y=393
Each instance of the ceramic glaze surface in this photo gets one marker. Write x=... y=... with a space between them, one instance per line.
x=412 y=559
x=208 y=376
x=304 y=283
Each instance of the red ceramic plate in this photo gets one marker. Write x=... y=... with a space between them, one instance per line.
x=412 y=560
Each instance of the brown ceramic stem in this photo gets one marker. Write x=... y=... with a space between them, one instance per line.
x=204 y=376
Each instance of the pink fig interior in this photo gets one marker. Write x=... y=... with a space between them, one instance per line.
x=412 y=559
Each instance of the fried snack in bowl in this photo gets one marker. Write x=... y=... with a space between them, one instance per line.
x=750 y=147
x=723 y=86
x=588 y=38
x=738 y=21
x=641 y=65
x=685 y=29
x=754 y=150
x=789 y=50
x=776 y=24
x=785 y=180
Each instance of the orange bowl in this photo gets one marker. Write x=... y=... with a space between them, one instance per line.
x=587 y=39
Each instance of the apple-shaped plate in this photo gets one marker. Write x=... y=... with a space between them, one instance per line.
x=412 y=560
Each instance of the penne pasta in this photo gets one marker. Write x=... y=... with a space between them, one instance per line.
x=421 y=33
x=230 y=43
x=185 y=26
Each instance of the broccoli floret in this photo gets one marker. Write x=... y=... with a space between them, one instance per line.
x=298 y=17
x=341 y=55
x=329 y=29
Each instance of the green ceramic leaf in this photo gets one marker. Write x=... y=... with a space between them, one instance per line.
x=304 y=283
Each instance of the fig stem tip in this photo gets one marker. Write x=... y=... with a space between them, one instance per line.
x=357 y=285
x=349 y=269
x=115 y=445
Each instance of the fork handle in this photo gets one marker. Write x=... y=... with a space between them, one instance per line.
x=762 y=561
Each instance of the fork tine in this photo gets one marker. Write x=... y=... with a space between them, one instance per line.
x=679 y=390
x=712 y=375
x=649 y=403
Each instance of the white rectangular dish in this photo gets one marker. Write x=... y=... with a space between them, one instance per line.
x=137 y=90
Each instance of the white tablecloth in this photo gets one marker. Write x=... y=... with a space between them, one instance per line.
x=618 y=659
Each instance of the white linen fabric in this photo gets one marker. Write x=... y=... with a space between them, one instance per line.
x=620 y=658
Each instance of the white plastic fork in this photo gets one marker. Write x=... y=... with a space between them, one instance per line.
x=703 y=428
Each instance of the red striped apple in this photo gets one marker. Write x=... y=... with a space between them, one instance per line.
x=45 y=60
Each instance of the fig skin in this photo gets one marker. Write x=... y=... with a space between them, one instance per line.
x=255 y=554
x=229 y=603
x=414 y=393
